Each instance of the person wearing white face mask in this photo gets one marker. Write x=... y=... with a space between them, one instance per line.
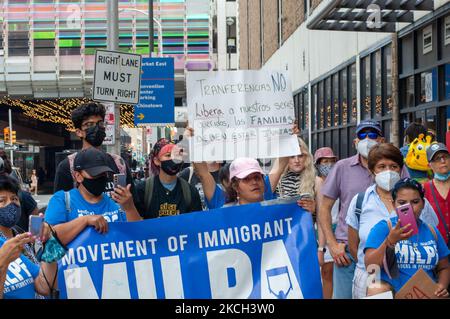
x=368 y=208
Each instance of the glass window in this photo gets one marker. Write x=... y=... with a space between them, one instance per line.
x=328 y=102
x=378 y=84
x=336 y=99
x=447 y=81
x=409 y=91
x=366 y=94
x=352 y=94
x=306 y=108
x=320 y=105
x=388 y=61
x=314 y=108
x=428 y=87
x=344 y=99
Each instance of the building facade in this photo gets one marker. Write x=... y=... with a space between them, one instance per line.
x=342 y=77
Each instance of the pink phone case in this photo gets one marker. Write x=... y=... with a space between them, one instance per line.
x=406 y=216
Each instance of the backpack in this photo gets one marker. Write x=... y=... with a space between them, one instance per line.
x=120 y=163
x=358 y=207
x=148 y=194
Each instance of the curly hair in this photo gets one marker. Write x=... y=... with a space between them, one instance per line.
x=85 y=110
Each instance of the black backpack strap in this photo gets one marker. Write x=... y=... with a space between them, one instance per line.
x=148 y=194
x=187 y=195
x=358 y=207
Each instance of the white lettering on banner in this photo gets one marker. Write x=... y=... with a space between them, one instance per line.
x=219 y=263
x=115 y=281
x=226 y=237
x=173 y=282
x=110 y=251
x=145 y=279
x=240 y=113
x=278 y=279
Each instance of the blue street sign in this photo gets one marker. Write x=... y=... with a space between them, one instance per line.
x=157 y=100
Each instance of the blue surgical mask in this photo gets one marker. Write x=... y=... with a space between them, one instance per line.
x=442 y=177
x=10 y=215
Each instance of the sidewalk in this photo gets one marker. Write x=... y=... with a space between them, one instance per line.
x=42 y=200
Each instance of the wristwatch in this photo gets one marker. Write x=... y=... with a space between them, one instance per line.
x=321 y=249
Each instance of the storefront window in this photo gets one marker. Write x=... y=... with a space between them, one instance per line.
x=388 y=62
x=320 y=105
x=314 y=108
x=428 y=86
x=328 y=101
x=306 y=108
x=366 y=96
x=352 y=93
x=409 y=92
x=447 y=81
x=344 y=106
x=378 y=99
x=336 y=99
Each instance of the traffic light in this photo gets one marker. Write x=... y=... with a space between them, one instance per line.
x=6 y=135
x=13 y=136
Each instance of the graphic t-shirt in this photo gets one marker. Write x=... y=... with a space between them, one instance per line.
x=57 y=213
x=420 y=251
x=19 y=283
x=166 y=202
x=219 y=198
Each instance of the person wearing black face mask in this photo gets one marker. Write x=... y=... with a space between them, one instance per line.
x=89 y=122
x=87 y=205
x=165 y=194
x=21 y=275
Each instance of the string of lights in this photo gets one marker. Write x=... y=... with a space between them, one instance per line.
x=59 y=110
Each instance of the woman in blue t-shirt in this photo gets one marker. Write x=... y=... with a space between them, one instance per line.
x=426 y=250
x=20 y=278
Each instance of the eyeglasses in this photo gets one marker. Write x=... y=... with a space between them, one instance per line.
x=92 y=124
x=371 y=135
x=439 y=158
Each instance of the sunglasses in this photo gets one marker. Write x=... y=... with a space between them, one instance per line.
x=371 y=135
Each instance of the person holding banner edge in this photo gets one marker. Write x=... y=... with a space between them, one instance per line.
x=87 y=205
x=20 y=276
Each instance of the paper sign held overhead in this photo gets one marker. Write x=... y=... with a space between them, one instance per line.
x=117 y=77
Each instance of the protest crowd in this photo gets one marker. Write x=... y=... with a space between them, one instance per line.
x=364 y=246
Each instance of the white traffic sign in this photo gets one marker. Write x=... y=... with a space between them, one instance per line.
x=13 y=147
x=117 y=77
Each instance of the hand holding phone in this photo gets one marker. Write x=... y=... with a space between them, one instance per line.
x=119 y=179
x=36 y=224
x=406 y=216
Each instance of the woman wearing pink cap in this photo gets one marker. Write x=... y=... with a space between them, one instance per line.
x=324 y=160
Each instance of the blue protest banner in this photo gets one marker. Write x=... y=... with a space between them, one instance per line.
x=249 y=251
x=157 y=99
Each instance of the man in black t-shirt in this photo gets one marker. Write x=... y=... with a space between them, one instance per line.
x=165 y=194
x=191 y=177
x=88 y=119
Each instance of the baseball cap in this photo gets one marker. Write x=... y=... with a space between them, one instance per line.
x=323 y=152
x=369 y=124
x=244 y=166
x=434 y=148
x=93 y=161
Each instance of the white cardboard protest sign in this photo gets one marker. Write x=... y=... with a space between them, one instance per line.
x=240 y=114
x=117 y=77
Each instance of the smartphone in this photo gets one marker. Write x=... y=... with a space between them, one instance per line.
x=406 y=216
x=35 y=225
x=120 y=179
x=305 y=196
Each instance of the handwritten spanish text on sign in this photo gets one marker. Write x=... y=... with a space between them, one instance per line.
x=117 y=77
x=240 y=114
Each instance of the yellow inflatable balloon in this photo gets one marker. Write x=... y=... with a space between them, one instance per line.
x=417 y=153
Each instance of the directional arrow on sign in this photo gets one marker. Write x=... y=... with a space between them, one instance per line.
x=141 y=116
